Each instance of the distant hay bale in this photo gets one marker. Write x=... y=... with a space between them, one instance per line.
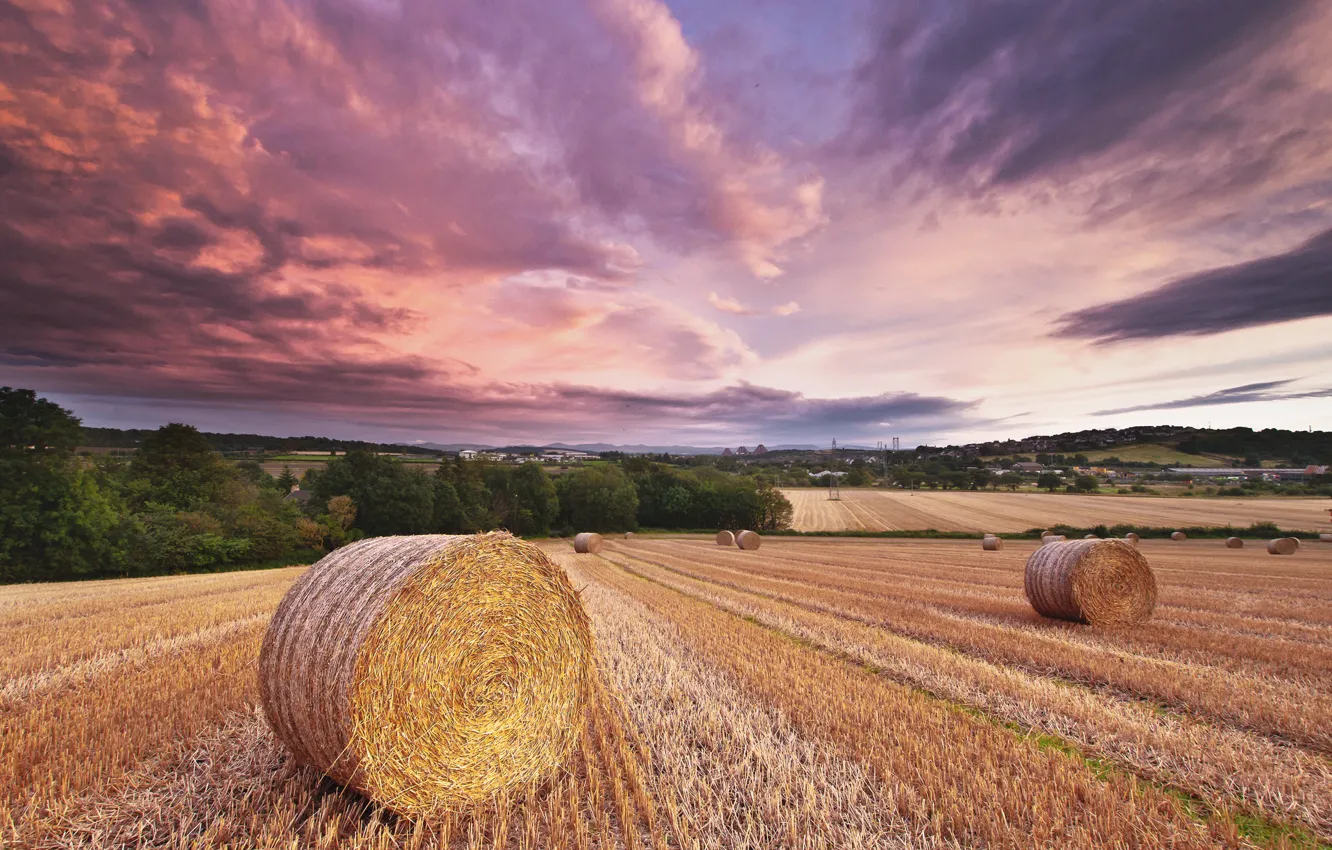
x=1102 y=582
x=1090 y=537
x=1053 y=538
x=588 y=543
x=1282 y=546
x=431 y=672
x=1046 y=533
x=748 y=540
x=1132 y=538
x=1234 y=543
x=628 y=535
x=725 y=538
x=1178 y=535
x=1325 y=538
x=992 y=544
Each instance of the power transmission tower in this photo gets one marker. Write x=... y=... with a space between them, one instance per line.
x=834 y=490
x=897 y=443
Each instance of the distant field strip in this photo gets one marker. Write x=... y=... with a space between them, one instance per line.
x=902 y=510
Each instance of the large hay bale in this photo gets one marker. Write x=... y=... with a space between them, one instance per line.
x=1282 y=546
x=748 y=540
x=1178 y=535
x=725 y=538
x=1132 y=538
x=1234 y=543
x=1102 y=582
x=430 y=672
x=992 y=544
x=588 y=543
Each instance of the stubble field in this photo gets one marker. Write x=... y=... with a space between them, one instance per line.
x=892 y=510
x=816 y=693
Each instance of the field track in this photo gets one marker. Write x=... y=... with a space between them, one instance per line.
x=892 y=510
x=816 y=693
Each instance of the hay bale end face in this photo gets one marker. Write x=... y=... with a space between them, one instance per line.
x=1234 y=543
x=992 y=544
x=1178 y=535
x=1294 y=540
x=725 y=538
x=588 y=543
x=1281 y=546
x=1102 y=582
x=430 y=672
x=748 y=540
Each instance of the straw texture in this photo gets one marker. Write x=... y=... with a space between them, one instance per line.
x=1282 y=546
x=1178 y=535
x=748 y=540
x=992 y=544
x=1102 y=582
x=1234 y=543
x=588 y=543
x=725 y=538
x=429 y=672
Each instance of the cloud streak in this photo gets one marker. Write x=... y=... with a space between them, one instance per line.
x=1264 y=391
x=1280 y=288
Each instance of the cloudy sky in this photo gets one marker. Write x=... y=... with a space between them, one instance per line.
x=686 y=221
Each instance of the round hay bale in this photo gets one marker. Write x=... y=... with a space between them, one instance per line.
x=725 y=538
x=1178 y=535
x=1132 y=538
x=628 y=535
x=588 y=543
x=992 y=544
x=1053 y=538
x=1325 y=538
x=1102 y=582
x=1282 y=546
x=748 y=540
x=1234 y=543
x=1297 y=541
x=430 y=672
x=1090 y=537
x=1046 y=533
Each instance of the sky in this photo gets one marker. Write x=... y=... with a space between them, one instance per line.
x=688 y=222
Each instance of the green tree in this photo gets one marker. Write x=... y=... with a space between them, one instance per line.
x=55 y=521
x=598 y=499
x=286 y=480
x=533 y=505
x=1049 y=481
x=177 y=466
x=389 y=498
x=1086 y=484
x=775 y=510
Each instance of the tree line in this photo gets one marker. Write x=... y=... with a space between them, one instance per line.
x=177 y=506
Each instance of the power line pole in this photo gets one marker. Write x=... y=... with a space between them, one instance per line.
x=834 y=490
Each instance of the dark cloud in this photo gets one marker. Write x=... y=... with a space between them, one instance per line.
x=1280 y=288
x=1018 y=90
x=1263 y=391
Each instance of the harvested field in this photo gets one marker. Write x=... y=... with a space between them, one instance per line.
x=892 y=510
x=813 y=694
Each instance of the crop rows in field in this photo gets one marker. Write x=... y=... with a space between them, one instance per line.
x=1000 y=512
x=817 y=693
